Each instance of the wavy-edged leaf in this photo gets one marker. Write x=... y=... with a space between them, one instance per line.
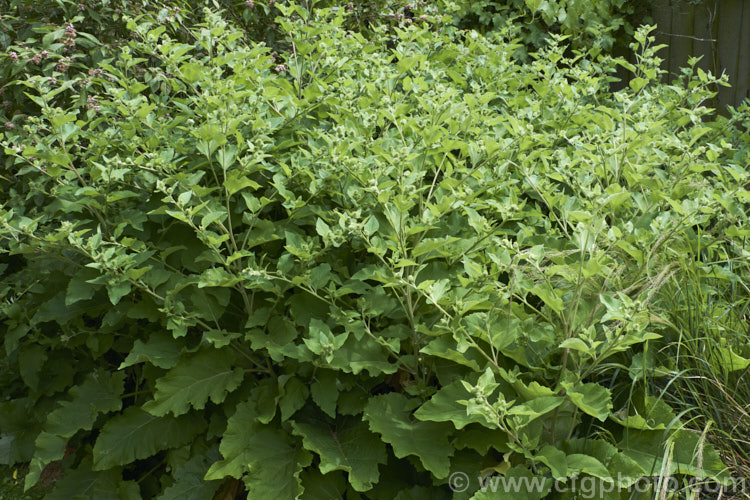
x=390 y=416
x=161 y=349
x=591 y=398
x=351 y=448
x=83 y=483
x=646 y=448
x=366 y=354
x=271 y=465
x=320 y=487
x=135 y=435
x=293 y=397
x=518 y=483
x=207 y=374
x=99 y=393
x=444 y=406
x=324 y=392
x=188 y=481
x=555 y=459
x=579 y=462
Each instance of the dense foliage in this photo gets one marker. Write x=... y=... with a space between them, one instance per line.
x=361 y=265
x=606 y=25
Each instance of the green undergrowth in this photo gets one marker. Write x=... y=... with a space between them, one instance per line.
x=12 y=487
x=708 y=308
x=365 y=269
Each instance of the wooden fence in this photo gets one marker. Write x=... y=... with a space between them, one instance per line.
x=718 y=30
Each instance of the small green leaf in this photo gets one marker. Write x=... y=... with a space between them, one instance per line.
x=117 y=291
x=637 y=84
x=322 y=228
x=236 y=182
x=371 y=226
x=191 y=72
x=79 y=289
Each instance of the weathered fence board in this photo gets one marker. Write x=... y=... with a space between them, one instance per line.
x=716 y=30
x=704 y=36
x=743 y=57
x=682 y=46
x=730 y=27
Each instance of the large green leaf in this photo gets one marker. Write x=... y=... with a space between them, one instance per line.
x=351 y=448
x=366 y=354
x=587 y=464
x=324 y=392
x=591 y=398
x=444 y=406
x=390 y=415
x=99 y=393
x=83 y=483
x=263 y=454
x=207 y=374
x=730 y=360
x=293 y=397
x=18 y=432
x=518 y=483
x=160 y=349
x=188 y=481
x=555 y=459
x=690 y=454
x=135 y=435
x=320 y=487
x=646 y=413
x=481 y=439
